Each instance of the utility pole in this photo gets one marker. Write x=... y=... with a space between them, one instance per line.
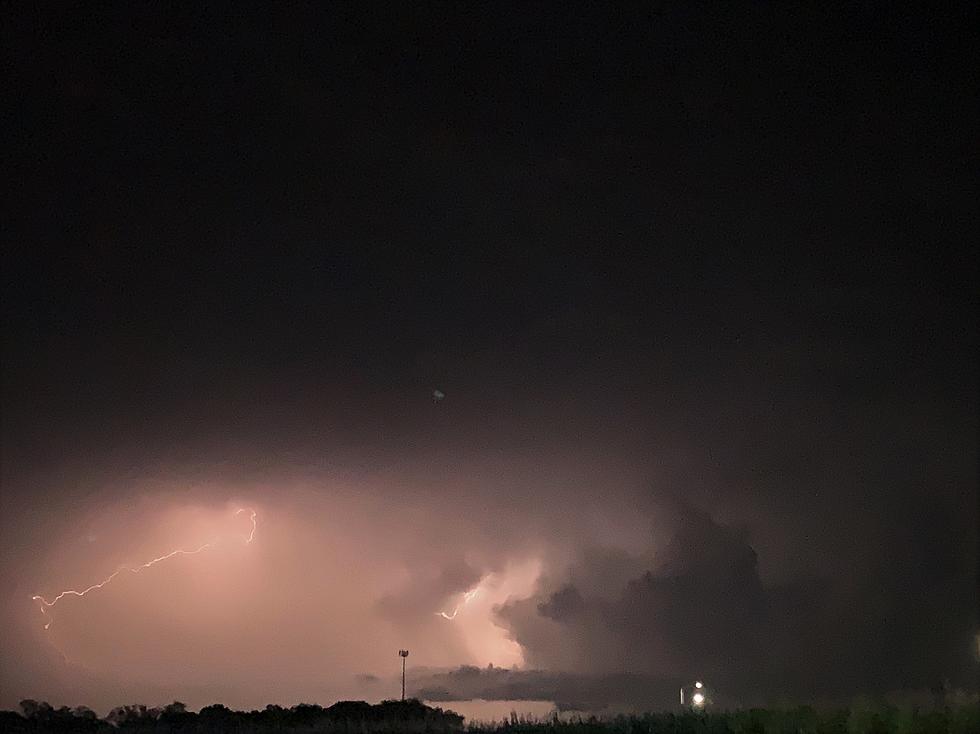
x=404 y=656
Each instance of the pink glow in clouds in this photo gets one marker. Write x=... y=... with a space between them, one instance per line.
x=45 y=605
x=307 y=599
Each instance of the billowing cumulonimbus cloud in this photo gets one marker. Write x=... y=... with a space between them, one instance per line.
x=701 y=609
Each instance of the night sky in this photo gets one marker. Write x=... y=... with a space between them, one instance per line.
x=698 y=285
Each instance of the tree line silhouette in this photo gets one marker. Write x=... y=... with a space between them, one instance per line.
x=412 y=716
x=345 y=716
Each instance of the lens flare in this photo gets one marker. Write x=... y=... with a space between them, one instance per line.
x=44 y=604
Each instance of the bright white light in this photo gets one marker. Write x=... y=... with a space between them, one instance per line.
x=699 y=684
x=698 y=699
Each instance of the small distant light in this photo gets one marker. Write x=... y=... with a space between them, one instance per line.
x=699 y=684
x=698 y=699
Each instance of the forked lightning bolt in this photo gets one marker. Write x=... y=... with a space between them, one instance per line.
x=251 y=534
x=44 y=604
x=466 y=600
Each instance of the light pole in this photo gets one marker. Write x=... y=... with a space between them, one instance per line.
x=404 y=656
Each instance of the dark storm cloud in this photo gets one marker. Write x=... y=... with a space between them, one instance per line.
x=701 y=610
x=700 y=607
x=569 y=690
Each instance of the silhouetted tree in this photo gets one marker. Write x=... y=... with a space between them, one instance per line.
x=11 y=721
x=414 y=717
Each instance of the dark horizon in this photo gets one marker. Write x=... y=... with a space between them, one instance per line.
x=633 y=340
x=413 y=715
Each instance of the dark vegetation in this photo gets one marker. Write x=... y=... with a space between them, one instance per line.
x=348 y=717
x=345 y=716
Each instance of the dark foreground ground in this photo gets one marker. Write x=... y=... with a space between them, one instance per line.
x=350 y=717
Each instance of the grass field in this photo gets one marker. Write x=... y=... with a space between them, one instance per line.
x=804 y=720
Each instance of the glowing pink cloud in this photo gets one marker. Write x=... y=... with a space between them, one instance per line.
x=44 y=604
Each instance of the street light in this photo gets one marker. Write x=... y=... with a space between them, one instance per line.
x=696 y=695
x=404 y=655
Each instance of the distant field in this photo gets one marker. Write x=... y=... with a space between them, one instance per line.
x=871 y=720
x=485 y=712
